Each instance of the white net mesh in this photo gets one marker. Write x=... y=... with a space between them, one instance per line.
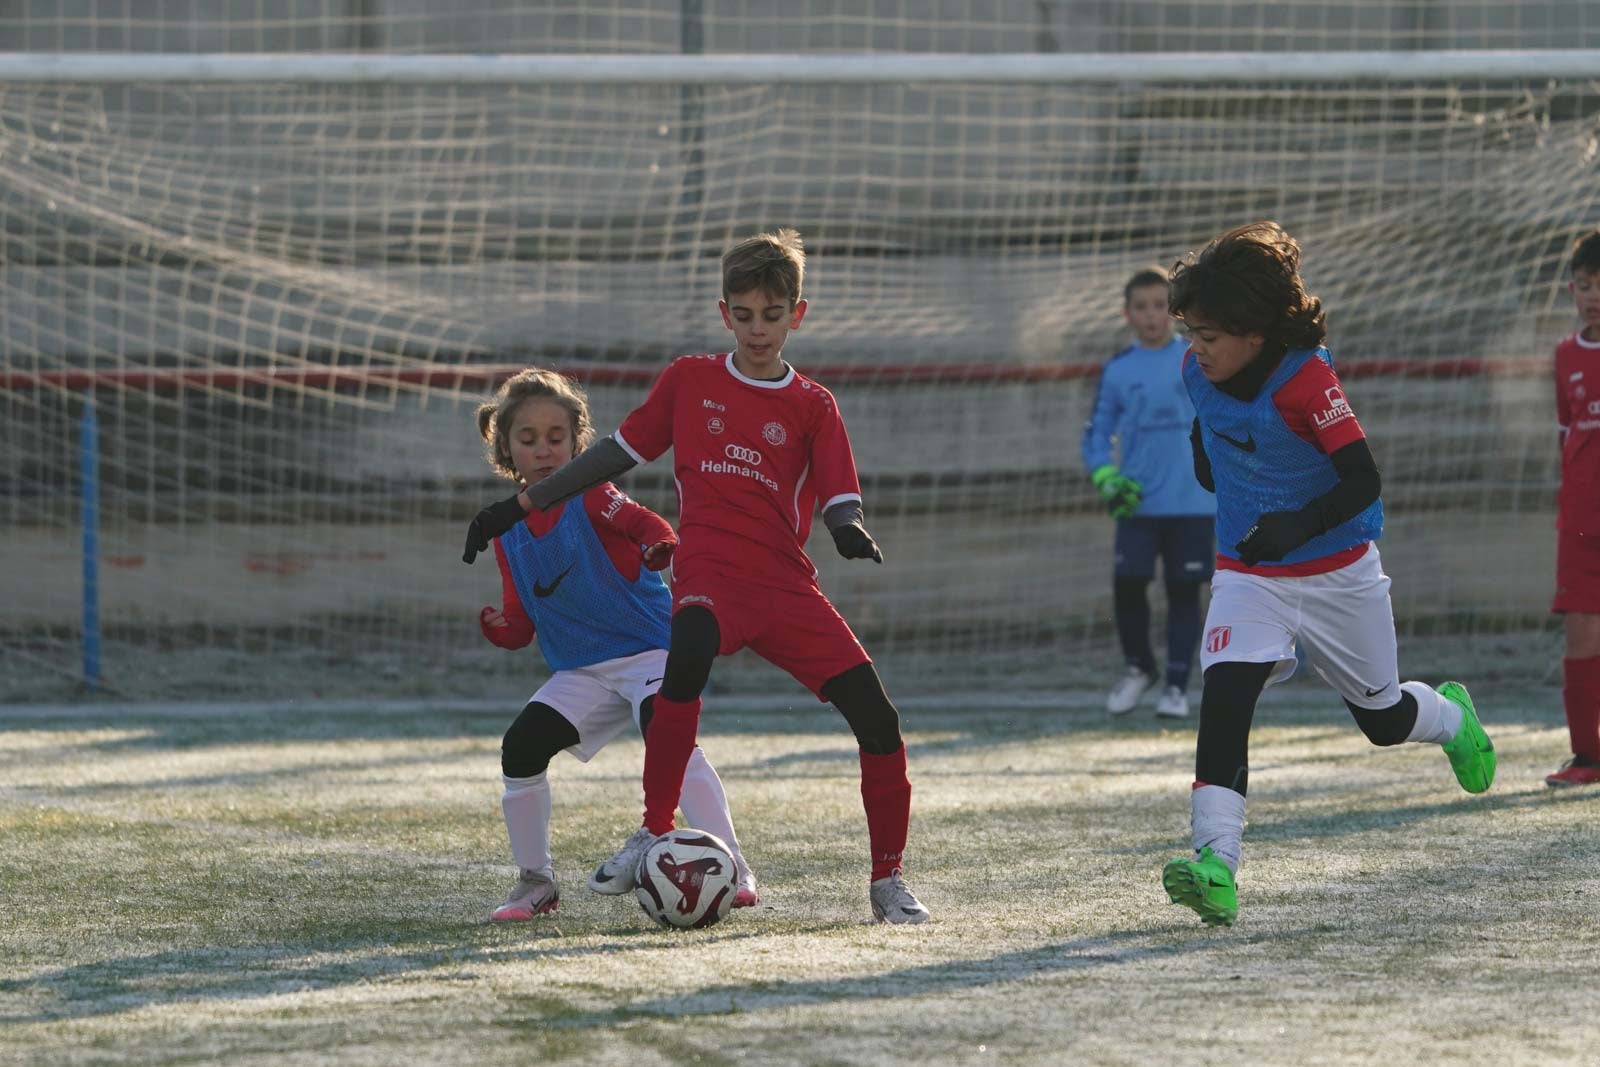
x=285 y=301
x=665 y=26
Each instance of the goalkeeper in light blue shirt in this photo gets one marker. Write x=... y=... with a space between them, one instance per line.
x=1136 y=448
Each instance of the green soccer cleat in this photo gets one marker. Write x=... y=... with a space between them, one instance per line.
x=1205 y=885
x=1470 y=750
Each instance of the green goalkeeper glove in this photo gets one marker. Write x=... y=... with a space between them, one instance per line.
x=1120 y=493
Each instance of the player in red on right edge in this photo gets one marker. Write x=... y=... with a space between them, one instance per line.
x=1578 y=519
x=757 y=448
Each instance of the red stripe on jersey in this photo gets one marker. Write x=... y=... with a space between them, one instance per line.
x=1321 y=565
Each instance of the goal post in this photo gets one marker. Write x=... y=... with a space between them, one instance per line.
x=285 y=281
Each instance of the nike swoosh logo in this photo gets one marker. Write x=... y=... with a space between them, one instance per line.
x=1375 y=692
x=1247 y=445
x=653 y=681
x=543 y=591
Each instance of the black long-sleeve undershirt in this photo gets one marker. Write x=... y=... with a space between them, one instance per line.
x=1359 y=482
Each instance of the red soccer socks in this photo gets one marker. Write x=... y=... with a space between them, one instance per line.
x=667 y=748
x=886 y=794
x=1580 y=693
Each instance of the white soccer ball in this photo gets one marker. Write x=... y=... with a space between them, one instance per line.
x=687 y=878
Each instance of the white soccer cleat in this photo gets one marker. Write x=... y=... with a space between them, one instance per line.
x=893 y=901
x=1173 y=704
x=534 y=894
x=1124 y=696
x=620 y=873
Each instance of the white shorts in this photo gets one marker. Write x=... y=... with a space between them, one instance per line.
x=1344 y=619
x=601 y=700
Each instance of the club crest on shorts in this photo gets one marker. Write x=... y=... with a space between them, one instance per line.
x=1217 y=638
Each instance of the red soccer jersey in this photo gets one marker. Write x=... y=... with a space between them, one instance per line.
x=1578 y=415
x=752 y=460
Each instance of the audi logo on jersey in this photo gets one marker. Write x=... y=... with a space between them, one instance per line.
x=743 y=454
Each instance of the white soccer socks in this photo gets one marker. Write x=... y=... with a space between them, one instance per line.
x=705 y=804
x=1216 y=819
x=526 y=804
x=1438 y=719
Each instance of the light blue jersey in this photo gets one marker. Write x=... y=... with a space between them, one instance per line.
x=1143 y=406
x=583 y=611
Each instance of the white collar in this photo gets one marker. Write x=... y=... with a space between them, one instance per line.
x=788 y=376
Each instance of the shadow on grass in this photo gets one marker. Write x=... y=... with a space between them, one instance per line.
x=115 y=986
x=1391 y=814
x=1087 y=954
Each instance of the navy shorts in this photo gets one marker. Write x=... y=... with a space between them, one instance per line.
x=1185 y=543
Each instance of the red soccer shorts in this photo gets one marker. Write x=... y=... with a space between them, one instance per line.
x=794 y=628
x=1577 y=573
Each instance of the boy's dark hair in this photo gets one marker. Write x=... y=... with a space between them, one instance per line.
x=1586 y=253
x=774 y=263
x=1148 y=276
x=1248 y=281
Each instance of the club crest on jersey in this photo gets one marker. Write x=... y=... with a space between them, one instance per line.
x=1217 y=638
x=1338 y=408
x=715 y=425
x=774 y=433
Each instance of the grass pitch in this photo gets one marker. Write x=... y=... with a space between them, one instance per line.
x=286 y=885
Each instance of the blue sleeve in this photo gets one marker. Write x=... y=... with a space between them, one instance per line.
x=1102 y=424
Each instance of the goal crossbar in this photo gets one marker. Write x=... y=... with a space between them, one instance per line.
x=339 y=68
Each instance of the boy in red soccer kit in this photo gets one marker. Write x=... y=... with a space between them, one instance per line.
x=1578 y=519
x=757 y=447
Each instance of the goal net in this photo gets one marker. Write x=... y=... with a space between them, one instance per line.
x=282 y=299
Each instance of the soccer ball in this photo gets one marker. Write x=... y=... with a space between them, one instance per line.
x=687 y=878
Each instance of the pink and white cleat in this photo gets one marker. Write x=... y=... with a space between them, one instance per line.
x=746 y=896
x=534 y=894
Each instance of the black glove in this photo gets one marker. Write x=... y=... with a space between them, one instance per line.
x=1275 y=535
x=490 y=523
x=853 y=542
